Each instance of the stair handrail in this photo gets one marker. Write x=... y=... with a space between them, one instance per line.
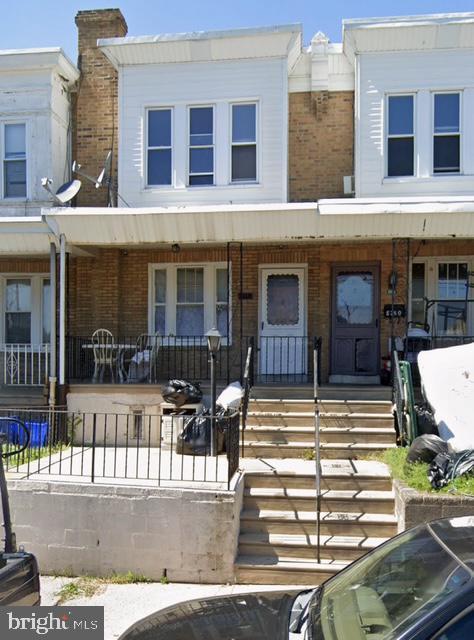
x=317 y=442
x=248 y=383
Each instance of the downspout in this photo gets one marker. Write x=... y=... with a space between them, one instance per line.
x=53 y=285
x=62 y=311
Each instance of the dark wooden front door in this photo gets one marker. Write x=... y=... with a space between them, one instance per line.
x=355 y=320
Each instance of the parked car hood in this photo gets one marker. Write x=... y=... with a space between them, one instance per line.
x=252 y=616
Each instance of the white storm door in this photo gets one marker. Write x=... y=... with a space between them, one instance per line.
x=282 y=321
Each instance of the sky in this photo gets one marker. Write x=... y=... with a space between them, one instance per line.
x=43 y=23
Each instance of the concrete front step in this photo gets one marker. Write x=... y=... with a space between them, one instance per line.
x=262 y=499
x=270 y=570
x=304 y=523
x=329 y=450
x=348 y=434
x=306 y=419
x=332 y=548
x=331 y=406
x=342 y=481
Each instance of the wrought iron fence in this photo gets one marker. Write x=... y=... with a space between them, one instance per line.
x=152 y=359
x=248 y=383
x=24 y=364
x=138 y=447
x=285 y=359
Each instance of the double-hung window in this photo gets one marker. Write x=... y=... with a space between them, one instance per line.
x=201 y=146
x=14 y=160
x=400 y=136
x=160 y=148
x=244 y=143
x=188 y=300
x=27 y=310
x=446 y=133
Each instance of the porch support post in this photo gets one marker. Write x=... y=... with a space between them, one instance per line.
x=53 y=336
x=62 y=310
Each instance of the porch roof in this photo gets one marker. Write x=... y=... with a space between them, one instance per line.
x=24 y=236
x=344 y=219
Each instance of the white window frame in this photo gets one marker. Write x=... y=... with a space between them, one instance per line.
x=210 y=296
x=200 y=146
x=431 y=283
x=148 y=148
x=388 y=136
x=36 y=311
x=3 y=159
x=243 y=144
x=439 y=135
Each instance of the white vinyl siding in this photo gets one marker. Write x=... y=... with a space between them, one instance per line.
x=183 y=87
x=423 y=74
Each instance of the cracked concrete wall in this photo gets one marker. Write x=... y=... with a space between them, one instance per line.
x=191 y=535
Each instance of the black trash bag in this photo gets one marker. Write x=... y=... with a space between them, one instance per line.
x=179 y=392
x=425 y=420
x=447 y=466
x=195 y=438
x=425 y=448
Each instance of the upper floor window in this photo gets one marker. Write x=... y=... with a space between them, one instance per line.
x=446 y=133
x=400 y=136
x=159 y=152
x=244 y=143
x=14 y=161
x=201 y=146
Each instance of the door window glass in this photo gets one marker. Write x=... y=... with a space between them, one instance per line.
x=282 y=300
x=354 y=298
x=46 y=311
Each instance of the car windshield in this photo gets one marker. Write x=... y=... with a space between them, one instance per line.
x=385 y=592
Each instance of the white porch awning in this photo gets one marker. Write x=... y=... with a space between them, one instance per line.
x=345 y=219
x=25 y=236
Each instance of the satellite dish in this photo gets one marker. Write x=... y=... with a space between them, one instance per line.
x=103 y=175
x=65 y=193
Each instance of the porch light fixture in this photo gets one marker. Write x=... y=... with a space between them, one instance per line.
x=213 y=341
x=213 y=344
x=175 y=248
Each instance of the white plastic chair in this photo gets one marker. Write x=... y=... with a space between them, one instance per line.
x=105 y=354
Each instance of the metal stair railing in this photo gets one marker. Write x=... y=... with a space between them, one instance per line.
x=317 y=442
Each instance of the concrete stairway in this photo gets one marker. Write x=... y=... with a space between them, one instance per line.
x=277 y=543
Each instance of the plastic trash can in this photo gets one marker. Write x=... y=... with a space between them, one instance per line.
x=39 y=432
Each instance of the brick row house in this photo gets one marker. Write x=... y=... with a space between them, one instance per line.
x=274 y=191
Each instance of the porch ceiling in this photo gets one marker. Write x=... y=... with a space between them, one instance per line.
x=327 y=220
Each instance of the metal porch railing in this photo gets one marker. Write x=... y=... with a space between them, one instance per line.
x=24 y=364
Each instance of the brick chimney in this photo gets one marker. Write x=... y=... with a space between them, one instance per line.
x=96 y=115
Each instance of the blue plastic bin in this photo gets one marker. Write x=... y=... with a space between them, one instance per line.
x=38 y=434
x=11 y=429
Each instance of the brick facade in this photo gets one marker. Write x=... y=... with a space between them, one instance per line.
x=320 y=144
x=96 y=105
x=111 y=290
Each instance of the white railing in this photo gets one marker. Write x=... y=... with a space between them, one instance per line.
x=24 y=364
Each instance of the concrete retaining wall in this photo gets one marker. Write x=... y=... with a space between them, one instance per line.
x=191 y=535
x=413 y=507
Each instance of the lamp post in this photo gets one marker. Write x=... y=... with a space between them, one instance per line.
x=213 y=344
